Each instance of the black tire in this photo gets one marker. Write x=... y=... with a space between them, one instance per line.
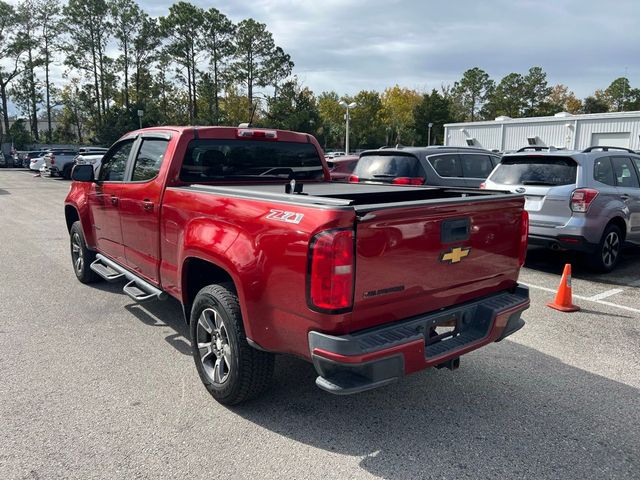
x=230 y=369
x=81 y=256
x=66 y=172
x=607 y=255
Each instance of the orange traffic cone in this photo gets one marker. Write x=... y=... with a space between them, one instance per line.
x=563 y=297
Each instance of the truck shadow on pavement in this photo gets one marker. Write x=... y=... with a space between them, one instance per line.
x=167 y=313
x=549 y=261
x=509 y=412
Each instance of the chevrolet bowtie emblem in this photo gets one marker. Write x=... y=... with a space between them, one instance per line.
x=455 y=255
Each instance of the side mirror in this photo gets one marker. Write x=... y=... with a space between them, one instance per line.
x=82 y=173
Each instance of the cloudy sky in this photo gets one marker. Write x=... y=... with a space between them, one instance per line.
x=350 y=45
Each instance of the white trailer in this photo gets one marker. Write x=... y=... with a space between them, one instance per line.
x=563 y=130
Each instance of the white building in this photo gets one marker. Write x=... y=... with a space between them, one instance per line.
x=563 y=130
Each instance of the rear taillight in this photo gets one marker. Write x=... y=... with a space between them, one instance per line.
x=330 y=276
x=52 y=160
x=408 y=181
x=483 y=185
x=353 y=179
x=581 y=199
x=524 y=236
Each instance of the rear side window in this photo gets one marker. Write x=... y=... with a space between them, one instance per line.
x=476 y=166
x=255 y=160
x=387 y=167
x=603 y=172
x=447 y=165
x=149 y=159
x=535 y=170
x=625 y=173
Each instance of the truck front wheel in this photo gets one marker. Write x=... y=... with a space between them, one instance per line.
x=231 y=370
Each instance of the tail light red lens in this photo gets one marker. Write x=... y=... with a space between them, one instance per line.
x=331 y=270
x=581 y=199
x=408 y=181
x=524 y=236
x=52 y=159
x=353 y=179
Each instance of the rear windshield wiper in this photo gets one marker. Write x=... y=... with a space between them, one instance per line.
x=383 y=175
x=539 y=182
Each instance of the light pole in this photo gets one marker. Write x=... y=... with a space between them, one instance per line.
x=140 y=114
x=429 y=137
x=348 y=106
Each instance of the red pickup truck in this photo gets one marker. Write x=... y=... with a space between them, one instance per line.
x=266 y=255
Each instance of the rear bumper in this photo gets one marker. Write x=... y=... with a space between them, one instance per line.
x=375 y=357
x=564 y=242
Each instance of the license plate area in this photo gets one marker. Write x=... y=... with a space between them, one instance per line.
x=446 y=334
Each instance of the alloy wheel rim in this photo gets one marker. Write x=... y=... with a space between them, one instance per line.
x=213 y=346
x=76 y=249
x=610 y=249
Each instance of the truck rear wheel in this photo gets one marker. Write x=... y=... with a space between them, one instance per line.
x=231 y=370
x=81 y=256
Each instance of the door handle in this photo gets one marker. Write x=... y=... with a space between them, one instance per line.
x=625 y=197
x=114 y=200
x=147 y=205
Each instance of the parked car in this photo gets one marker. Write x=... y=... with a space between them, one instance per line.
x=434 y=166
x=333 y=154
x=36 y=163
x=28 y=156
x=341 y=168
x=90 y=159
x=367 y=282
x=60 y=163
x=587 y=201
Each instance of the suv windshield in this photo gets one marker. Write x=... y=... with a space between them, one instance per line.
x=215 y=160
x=535 y=170
x=387 y=167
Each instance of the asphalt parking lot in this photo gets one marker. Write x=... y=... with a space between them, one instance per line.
x=95 y=386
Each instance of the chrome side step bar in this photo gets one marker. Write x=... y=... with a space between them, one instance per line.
x=137 y=288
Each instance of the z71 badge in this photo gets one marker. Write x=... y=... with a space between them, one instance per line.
x=287 y=217
x=455 y=255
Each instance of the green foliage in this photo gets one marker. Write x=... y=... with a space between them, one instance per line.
x=471 y=92
x=331 y=129
x=257 y=60
x=20 y=136
x=294 y=108
x=366 y=126
x=619 y=96
x=434 y=108
x=507 y=98
x=398 y=106
x=593 y=104
x=536 y=90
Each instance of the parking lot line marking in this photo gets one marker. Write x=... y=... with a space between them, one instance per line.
x=589 y=299
x=608 y=293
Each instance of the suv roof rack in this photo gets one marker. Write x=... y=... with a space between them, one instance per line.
x=539 y=148
x=605 y=148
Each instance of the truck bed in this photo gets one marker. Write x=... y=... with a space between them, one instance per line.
x=359 y=195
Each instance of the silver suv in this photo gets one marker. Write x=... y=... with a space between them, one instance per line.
x=588 y=201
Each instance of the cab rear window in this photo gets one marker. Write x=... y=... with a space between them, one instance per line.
x=387 y=167
x=535 y=170
x=251 y=160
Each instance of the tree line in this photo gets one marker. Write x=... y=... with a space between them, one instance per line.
x=195 y=66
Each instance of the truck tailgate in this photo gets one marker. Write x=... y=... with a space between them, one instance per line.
x=416 y=259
